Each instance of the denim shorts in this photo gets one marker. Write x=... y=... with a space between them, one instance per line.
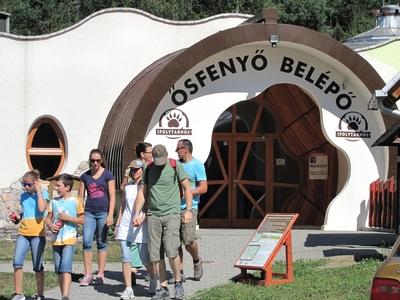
x=163 y=236
x=22 y=246
x=95 y=224
x=63 y=256
x=126 y=251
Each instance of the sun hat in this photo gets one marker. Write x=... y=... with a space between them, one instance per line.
x=136 y=164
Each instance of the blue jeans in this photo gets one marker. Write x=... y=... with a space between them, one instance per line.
x=63 y=256
x=95 y=223
x=22 y=246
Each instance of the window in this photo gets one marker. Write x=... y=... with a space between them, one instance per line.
x=45 y=149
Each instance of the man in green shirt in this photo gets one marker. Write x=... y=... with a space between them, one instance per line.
x=160 y=193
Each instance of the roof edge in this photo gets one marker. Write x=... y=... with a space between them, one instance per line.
x=122 y=10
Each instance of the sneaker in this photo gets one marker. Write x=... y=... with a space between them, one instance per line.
x=172 y=279
x=65 y=298
x=153 y=285
x=198 y=269
x=86 y=280
x=161 y=294
x=178 y=291
x=38 y=297
x=99 y=280
x=127 y=294
x=18 y=297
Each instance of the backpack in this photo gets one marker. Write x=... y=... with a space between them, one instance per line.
x=172 y=163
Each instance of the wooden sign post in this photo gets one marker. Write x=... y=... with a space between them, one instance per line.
x=274 y=232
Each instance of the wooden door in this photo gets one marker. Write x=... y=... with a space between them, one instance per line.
x=240 y=182
x=251 y=180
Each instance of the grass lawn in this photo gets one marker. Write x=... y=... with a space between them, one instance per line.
x=318 y=279
x=7 y=279
x=7 y=284
x=113 y=255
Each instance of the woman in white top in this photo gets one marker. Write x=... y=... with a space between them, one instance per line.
x=127 y=234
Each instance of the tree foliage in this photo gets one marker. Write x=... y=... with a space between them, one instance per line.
x=338 y=18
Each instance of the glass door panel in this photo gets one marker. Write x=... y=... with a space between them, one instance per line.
x=250 y=160
x=249 y=183
x=215 y=205
x=245 y=209
x=219 y=207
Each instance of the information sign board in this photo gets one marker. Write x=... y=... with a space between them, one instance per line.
x=265 y=240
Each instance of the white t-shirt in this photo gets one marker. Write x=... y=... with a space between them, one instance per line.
x=126 y=230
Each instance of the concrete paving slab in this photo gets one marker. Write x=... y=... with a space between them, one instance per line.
x=220 y=248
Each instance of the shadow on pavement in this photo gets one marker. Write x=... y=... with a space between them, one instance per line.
x=76 y=276
x=359 y=254
x=340 y=239
x=115 y=290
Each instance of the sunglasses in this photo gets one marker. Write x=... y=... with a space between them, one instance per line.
x=27 y=184
x=179 y=148
x=134 y=170
x=95 y=160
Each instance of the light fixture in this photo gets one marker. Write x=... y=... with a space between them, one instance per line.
x=274 y=40
x=373 y=103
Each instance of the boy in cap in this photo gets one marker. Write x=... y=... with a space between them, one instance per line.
x=160 y=191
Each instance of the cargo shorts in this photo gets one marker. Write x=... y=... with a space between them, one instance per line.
x=163 y=236
x=188 y=230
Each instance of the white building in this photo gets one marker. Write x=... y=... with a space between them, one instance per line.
x=278 y=113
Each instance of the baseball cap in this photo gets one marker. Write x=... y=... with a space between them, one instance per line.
x=136 y=164
x=160 y=155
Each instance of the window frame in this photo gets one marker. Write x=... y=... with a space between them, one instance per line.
x=60 y=151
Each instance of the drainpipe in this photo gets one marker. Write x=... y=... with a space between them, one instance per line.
x=380 y=95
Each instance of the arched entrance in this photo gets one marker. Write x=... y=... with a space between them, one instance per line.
x=258 y=164
x=240 y=61
x=131 y=113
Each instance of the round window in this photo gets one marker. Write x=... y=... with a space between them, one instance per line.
x=45 y=150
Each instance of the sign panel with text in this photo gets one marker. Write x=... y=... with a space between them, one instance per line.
x=264 y=241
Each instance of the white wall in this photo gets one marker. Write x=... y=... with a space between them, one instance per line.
x=13 y=102
x=77 y=74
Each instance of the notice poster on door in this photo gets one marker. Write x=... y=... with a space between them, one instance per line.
x=318 y=166
x=265 y=240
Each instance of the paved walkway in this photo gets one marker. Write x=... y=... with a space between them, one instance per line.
x=220 y=249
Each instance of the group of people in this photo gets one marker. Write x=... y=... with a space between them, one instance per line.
x=157 y=217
